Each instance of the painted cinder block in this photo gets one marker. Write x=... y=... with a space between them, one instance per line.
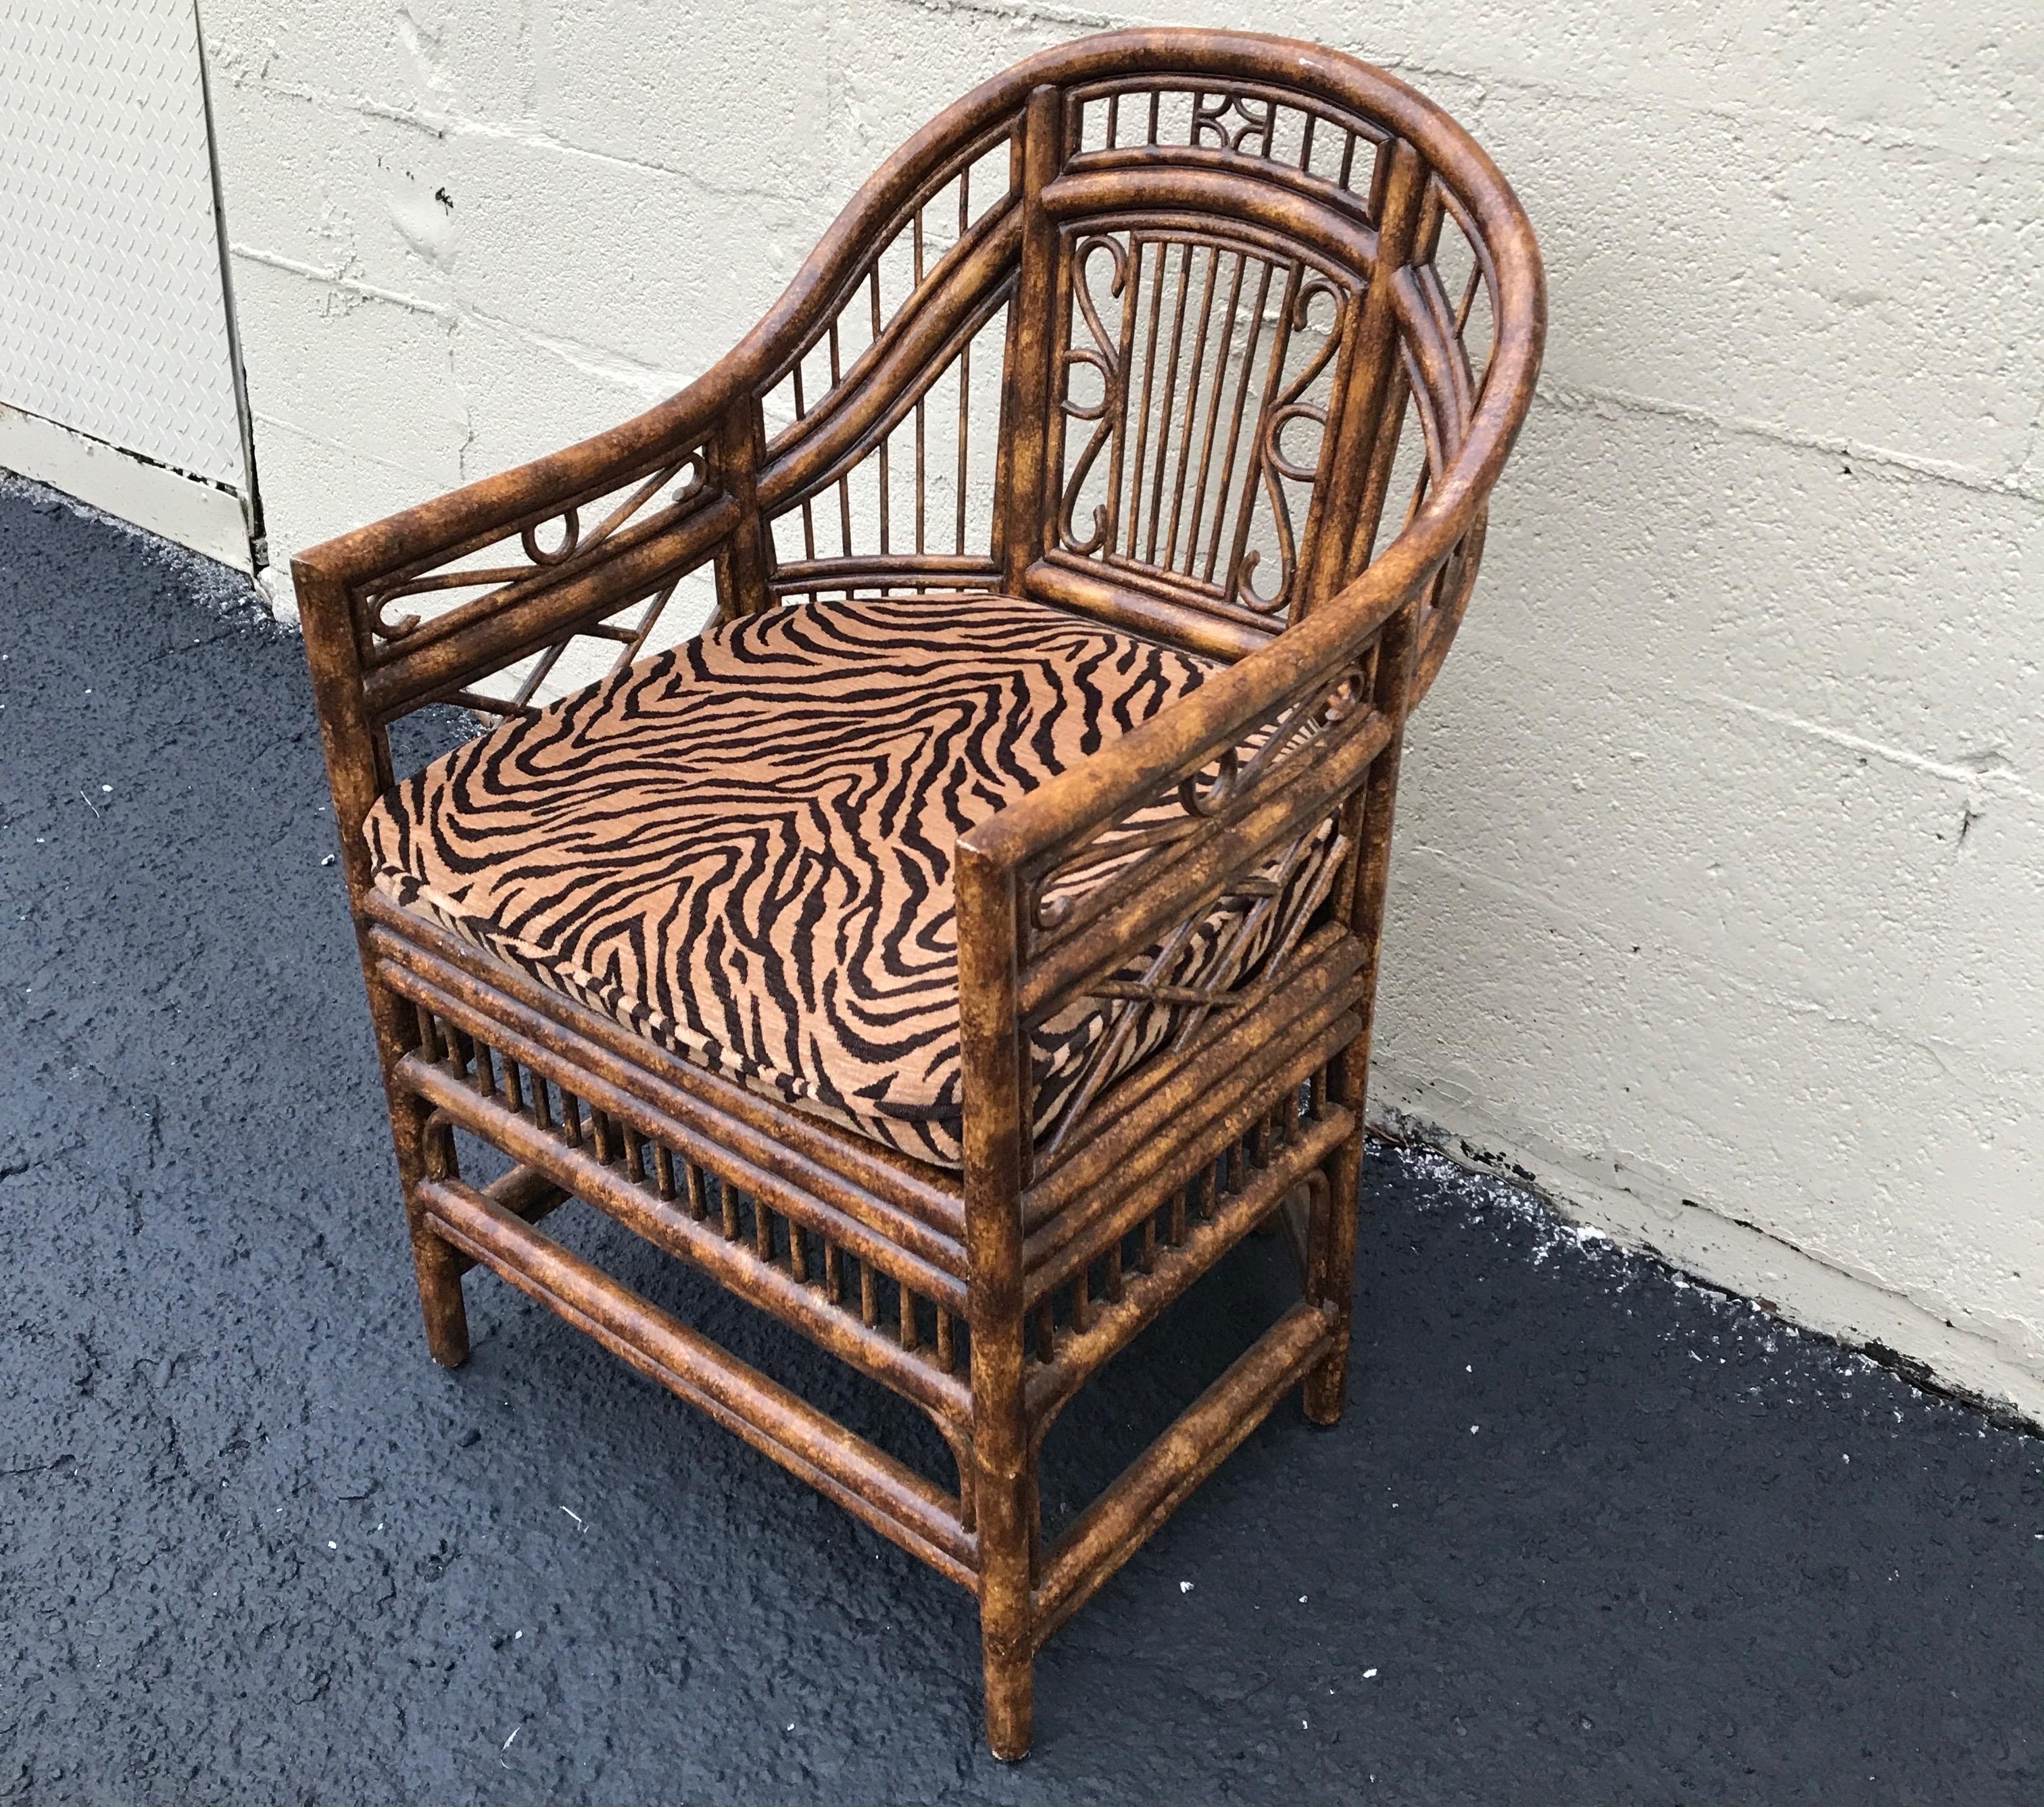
x=412 y=56
x=655 y=274
x=1761 y=270
x=1963 y=77
x=367 y=374
x=1643 y=551
x=733 y=97
x=361 y=206
x=332 y=487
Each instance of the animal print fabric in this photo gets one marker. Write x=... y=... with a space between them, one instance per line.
x=742 y=849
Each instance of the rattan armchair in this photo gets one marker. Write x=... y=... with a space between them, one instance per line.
x=958 y=947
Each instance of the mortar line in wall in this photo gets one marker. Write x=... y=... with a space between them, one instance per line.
x=587 y=357
x=597 y=361
x=1744 y=113
x=1580 y=398
x=335 y=279
x=278 y=423
x=542 y=139
x=1033 y=14
x=442 y=125
x=1588 y=1171
x=1741 y=113
x=1974 y=779
x=1796 y=1003
x=1586 y=397
x=1525 y=893
x=1738 y=113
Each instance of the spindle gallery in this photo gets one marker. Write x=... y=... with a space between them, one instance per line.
x=967 y=938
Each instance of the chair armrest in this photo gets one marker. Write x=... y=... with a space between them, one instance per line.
x=1256 y=698
x=521 y=558
x=1249 y=789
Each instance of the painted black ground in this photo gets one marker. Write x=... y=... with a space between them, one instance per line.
x=1588 y=1535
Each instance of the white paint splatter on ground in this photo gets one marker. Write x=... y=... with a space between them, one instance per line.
x=1733 y=1330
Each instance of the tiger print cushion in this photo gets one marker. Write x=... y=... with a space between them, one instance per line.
x=742 y=848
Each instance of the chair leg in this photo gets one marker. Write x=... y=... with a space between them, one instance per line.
x=1005 y=1510
x=439 y=1294
x=424 y=1151
x=1004 y=1505
x=1331 y=1277
x=1011 y=1705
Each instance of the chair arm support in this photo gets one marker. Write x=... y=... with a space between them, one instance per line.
x=433 y=532
x=1247 y=795
x=361 y=597
x=1179 y=740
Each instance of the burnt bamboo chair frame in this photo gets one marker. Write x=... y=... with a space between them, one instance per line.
x=987 y=1296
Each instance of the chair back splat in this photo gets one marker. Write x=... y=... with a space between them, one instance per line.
x=967 y=937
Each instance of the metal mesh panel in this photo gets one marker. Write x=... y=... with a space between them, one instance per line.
x=110 y=263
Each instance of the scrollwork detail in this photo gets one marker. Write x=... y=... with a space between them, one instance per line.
x=689 y=474
x=570 y=520
x=1229 y=782
x=1209 y=798
x=1210 y=116
x=386 y=626
x=1103 y=355
x=1274 y=467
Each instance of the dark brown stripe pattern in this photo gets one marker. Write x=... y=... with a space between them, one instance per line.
x=742 y=848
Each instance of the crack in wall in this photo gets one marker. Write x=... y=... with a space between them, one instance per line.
x=1589 y=398
x=1974 y=773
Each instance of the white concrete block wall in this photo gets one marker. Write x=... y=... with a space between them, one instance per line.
x=1719 y=895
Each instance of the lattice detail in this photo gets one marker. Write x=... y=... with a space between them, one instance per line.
x=1269 y=901
x=1113 y=864
x=1463 y=279
x=1271 y=910
x=1456 y=284
x=1194 y=378
x=920 y=323
x=416 y=605
x=1320 y=148
x=412 y=607
x=1099 y=1287
x=950 y=216
x=862 y=1291
x=915 y=509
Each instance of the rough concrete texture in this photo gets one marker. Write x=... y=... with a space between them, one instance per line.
x=1588 y=1534
x=1719 y=867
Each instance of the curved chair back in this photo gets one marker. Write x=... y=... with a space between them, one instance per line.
x=1160 y=326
